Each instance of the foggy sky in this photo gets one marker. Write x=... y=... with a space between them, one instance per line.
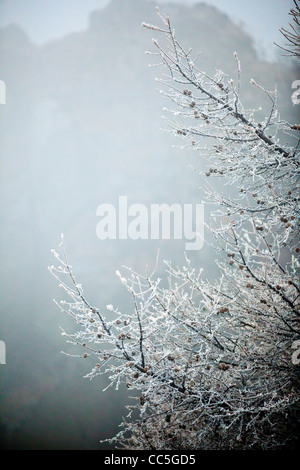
x=50 y=19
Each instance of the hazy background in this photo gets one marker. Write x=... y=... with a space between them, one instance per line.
x=82 y=126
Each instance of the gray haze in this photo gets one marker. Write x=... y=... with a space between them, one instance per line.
x=53 y=18
x=82 y=126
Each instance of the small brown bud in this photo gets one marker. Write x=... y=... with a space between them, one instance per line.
x=223 y=310
x=223 y=366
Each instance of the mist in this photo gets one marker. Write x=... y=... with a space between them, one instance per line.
x=81 y=126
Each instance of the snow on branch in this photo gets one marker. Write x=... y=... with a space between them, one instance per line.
x=211 y=362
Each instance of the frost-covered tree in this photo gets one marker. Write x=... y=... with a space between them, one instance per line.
x=292 y=35
x=210 y=363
